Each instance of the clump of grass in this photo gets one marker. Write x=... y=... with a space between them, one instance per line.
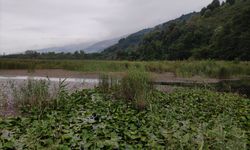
x=37 y=94
x=136 y=87
x=32 y=94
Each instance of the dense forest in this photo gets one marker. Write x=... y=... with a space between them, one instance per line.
x=218 y=31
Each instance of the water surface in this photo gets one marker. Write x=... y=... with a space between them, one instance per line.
x=53 y=79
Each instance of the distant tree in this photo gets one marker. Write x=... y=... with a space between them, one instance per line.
x=203 y=10
x=231 y=2
x=223 y=3
x=208 y=13
x=31 y=53
x=121 y=40
x=82 y=52
x=215 y=4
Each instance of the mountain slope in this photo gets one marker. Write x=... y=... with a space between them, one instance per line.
x=219 y=31
x=130 y=43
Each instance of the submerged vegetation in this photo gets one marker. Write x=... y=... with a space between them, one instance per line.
x=208 y=68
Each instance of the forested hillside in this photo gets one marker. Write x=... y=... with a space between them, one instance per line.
x=218 y=31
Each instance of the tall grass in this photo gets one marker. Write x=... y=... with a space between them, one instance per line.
x=208 y=68
x=32 y=93
x=38 y=94
x=135 y=87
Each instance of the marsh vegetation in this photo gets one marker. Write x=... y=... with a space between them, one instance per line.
x=206 y=68
x=126 y=114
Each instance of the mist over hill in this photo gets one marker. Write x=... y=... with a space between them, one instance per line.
x=86 y=47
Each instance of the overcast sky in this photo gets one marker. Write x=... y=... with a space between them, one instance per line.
x=35 y=24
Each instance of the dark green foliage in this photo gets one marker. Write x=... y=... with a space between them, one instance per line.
x=233 y=39
x=215 y=4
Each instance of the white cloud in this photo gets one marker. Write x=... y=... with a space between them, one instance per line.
x=34 y=24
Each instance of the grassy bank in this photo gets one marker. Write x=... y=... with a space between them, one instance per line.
x=218 y=69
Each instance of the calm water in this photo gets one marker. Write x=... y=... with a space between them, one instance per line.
x=77 y=80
